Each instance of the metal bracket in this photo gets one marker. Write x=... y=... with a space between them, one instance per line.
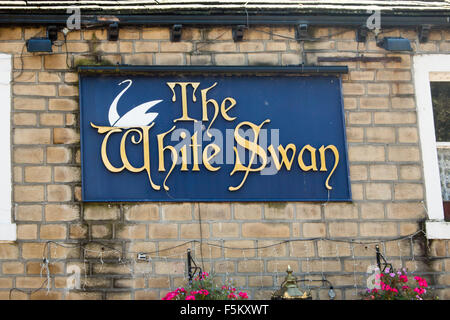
x=113 y=32
x=424 y=32
x=379 y=257
x=175 y=32
x=301 y=32
x=238 y=32
x=191 y=269
x=361 y=34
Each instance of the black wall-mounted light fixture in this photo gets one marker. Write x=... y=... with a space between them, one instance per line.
x=361 y=34
x=395 y=44
x=301 y=32
x=52 y=33
x=43 y=44
x=238 y=32
x=113 y=31
x=424 y=32
x=175 y=32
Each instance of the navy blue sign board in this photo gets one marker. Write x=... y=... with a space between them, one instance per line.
x=213 y=138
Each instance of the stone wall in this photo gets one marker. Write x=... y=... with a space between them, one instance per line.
x=103 y=239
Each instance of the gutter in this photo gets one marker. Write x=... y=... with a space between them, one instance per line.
x=215 y=69
x=347 y=20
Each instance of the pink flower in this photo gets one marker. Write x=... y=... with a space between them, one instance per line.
x=405 y=287
x=243 y=295
x=190 y=297
x=170 y=295
x=419 y=290
x=232 y=296
x=204 y=292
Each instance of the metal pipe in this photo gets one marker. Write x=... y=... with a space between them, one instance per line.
x=360 y=58
x=299 y=69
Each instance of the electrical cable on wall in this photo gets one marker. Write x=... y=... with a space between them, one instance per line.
x=354 y=241
x=100 y=254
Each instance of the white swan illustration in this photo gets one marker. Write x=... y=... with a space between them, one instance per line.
x=136 y=117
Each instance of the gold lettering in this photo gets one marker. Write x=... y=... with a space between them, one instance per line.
x=123 y=152
x=323 y=166
x=104 y=154
x=195 y=147
x=206 y=159
x=253 y=147
x=284 y=158
x=184 y=103
x=143 y=137
x=205 y=107
x=183 y=151
x=145 y=145
x=312 y=152
x=161 y=150
x=224 y=110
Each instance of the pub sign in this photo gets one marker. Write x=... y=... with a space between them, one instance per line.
x=212 y=138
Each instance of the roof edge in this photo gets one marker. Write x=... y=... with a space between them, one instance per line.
x=441 y=20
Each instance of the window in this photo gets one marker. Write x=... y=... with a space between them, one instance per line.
x=431 y=80
x=440 y=96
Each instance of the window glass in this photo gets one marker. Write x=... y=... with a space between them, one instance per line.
x=440 y=94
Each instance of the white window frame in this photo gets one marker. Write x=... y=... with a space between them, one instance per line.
x=7 y=228
x=436 y=227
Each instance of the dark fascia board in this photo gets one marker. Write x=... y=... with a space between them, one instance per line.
x=412 y=20
x=297 y=69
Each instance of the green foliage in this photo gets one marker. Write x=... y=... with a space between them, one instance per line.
x=277 y=205
x=92 y=62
